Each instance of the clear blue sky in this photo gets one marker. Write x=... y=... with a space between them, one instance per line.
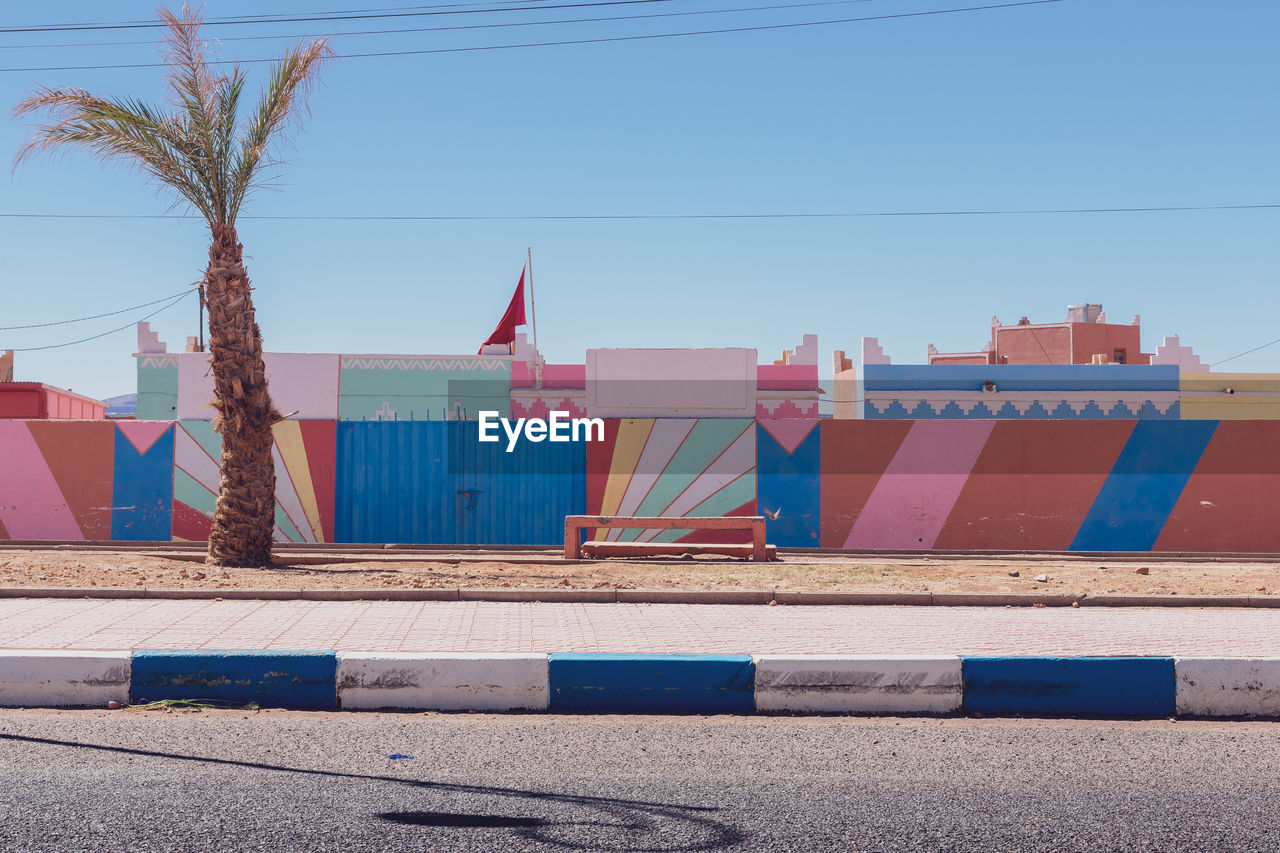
x=1080 y=103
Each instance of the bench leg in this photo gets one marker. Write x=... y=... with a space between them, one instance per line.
x=758 y=551
x=572 y=542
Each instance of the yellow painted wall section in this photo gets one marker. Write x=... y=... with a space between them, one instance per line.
x=1230 y=396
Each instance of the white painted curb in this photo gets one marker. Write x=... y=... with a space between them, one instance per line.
x=1227 y=687
x=52 y=679
x=867 y=684
x=443 y=682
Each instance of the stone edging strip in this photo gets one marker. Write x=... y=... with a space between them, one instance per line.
x=649 y=683
x=665 y=596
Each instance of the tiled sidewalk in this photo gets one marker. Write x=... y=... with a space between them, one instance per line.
x=513 y=627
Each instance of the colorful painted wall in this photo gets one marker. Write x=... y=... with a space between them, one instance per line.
x=1018 y=391
x=1084 y=485
x=611 y=383
x=672 y=467
x=86 y=480
x=304 y=454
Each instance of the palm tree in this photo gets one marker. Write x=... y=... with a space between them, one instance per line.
x=200 y=148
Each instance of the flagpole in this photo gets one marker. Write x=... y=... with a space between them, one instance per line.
x=533 y=309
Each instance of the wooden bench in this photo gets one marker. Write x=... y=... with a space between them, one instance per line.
x=574 y=525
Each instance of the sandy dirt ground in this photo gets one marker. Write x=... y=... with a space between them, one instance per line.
x=541 y=570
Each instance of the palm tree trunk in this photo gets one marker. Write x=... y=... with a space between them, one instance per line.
x=245 y=516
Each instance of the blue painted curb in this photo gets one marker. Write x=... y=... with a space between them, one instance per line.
x=670 y=684
x=1080 y=685
x=673 y=684
x=303 y=679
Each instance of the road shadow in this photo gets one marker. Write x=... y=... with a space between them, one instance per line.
x=634 y=819
x=484 y=821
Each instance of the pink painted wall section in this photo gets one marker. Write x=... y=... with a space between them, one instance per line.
x=787 y=377
x=553 y=375
x=32 y=506
x=143 y=434
x=911 y=502
x=303 y=382
x=872 y=352
x=542 y=405
x=786 y=407
x=698 y=383
x=1173 y=352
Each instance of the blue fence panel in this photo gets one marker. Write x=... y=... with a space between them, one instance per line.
x=393 y=483
x=434 y=482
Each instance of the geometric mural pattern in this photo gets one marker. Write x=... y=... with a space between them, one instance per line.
x=304 y=463
x=1123 y=485
x=672 y=467
x=85 y=480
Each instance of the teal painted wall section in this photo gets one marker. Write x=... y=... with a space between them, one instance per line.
x=157 y=387
x=422 y=388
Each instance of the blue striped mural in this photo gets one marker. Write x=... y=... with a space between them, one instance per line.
x=1145 y=483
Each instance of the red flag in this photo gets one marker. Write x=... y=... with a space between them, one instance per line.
x=505 y=333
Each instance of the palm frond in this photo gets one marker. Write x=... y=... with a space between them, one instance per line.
x=115 y=129
x=282 y=100
x=199 y=146
x=194 y=87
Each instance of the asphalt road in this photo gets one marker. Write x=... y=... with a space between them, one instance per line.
x=136 y=780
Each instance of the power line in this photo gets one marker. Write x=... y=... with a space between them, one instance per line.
x=424 y=52
x=92 y=317
x=140 y=25
x=508 y=25
x=660 y=216
x=254 y=19
x=1246 y=352
x=104 y=334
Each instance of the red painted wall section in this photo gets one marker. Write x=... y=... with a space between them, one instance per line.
x=81 y=457
x=1106 y=338
x=321 y=441
x=1230 y=502
x=37 y=401
x=1033 y=484
x=855 y=453
x=1033 y=345
x=599 y=462
x=18 y=400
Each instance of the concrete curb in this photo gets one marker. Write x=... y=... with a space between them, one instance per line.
x=858 y=684
x=663 y=596
x=1228 y=686
x=302 y=679
x=459 y=681
x=63 y=678
x=650 y=683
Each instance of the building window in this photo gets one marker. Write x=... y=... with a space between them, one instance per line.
x=1117 y=356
